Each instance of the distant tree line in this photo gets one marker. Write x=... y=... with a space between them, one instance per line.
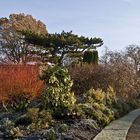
x=130 y=55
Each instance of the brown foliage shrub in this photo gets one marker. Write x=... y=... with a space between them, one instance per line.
x=120 y=76
x=18 y=79
x=87 y=76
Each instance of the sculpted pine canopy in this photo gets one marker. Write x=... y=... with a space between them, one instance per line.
x=23 y=37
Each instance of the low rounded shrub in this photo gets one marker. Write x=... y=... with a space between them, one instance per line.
x=95 y=96
x=134 y=103
x=15 y=132
x=40 y=118
x=76 y=112
x=52 y=135
x=63 y=128
x=122 y=106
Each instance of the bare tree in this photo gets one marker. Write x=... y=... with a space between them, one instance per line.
x=105 y=57
x=133 y=55
x=13 y=46
x=122 y=71
x=110 y=57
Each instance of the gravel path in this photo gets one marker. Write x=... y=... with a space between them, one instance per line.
x=134 y=131
x=118 y=129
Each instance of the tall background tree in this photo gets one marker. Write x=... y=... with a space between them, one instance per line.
x=14 y=48
x=23 y=37
x=60 y=45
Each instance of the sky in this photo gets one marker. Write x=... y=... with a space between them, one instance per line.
x=117 y=22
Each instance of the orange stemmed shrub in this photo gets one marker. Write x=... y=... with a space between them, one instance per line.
x=19 y=79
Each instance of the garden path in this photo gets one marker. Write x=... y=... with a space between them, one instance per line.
x=118 y=129
x=134 y=131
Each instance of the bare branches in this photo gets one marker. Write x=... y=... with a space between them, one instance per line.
x=133 y=54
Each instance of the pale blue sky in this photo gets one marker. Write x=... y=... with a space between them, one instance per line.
x=117 y=22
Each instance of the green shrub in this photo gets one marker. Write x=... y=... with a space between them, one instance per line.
x=40 y=118
x=8 y=127
x=96 y=57
x=105 y=120
x=99 y=112
x=52 y=135
x=95 y=96
x=6 y=124
x=122 y=106
x=45 y=117
x=126 y=107
x=97 y=115
x=19 y=102
x=91 y=112
x=109 y=113
x=33 y=113
x=90 y=57
x=102 y=118
x=116 y=113
x=134 y=103
x=98 y=106
x=16 y=132
x=63 y=128
x=75 y=112
x=110 y=96
x=87 y=109
x=57 y=95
